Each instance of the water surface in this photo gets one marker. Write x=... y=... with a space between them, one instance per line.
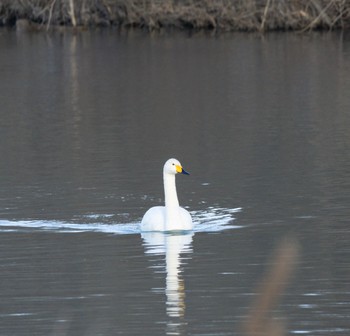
x=87 y=121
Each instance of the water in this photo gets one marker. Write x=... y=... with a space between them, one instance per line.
x=87 y=121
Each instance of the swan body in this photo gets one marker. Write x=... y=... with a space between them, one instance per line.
x=170 y=217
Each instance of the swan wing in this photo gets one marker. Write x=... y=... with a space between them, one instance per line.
x=154 y=219
x=186 y=219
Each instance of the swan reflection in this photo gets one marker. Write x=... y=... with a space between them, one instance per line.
x=171 y=245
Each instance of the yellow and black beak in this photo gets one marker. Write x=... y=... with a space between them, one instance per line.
x=180 y=170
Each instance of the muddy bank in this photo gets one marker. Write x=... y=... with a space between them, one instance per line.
x=220 y=15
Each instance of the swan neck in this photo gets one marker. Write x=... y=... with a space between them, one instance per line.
x=170 y=194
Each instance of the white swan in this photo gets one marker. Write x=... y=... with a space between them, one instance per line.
x=170 y=217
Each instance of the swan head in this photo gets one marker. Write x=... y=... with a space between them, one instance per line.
x=173 y=167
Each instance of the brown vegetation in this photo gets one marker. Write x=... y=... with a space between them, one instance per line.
x=220 y=15
x=260 y=321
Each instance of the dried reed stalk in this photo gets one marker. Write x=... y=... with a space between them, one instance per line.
x=260 y=320
x=50 y=14
x=264 y=16
x=72 y=13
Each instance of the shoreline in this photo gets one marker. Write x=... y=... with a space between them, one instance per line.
x=198 y=15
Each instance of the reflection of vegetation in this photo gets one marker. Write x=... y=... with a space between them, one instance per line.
x=247 y=15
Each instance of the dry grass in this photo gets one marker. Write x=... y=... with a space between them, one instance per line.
x=220 y=15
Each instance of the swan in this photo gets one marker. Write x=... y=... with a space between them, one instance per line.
x=170 y=217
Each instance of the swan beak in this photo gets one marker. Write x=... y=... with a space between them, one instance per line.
x=184 y=172
x=180 y=170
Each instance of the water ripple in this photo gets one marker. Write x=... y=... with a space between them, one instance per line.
x=210 y=220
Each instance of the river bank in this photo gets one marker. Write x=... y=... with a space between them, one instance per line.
x=220 y=15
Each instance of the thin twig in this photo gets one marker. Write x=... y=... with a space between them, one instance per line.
x=50 y=14
x=71 y=13
x=321 y=14
x=265 y=14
